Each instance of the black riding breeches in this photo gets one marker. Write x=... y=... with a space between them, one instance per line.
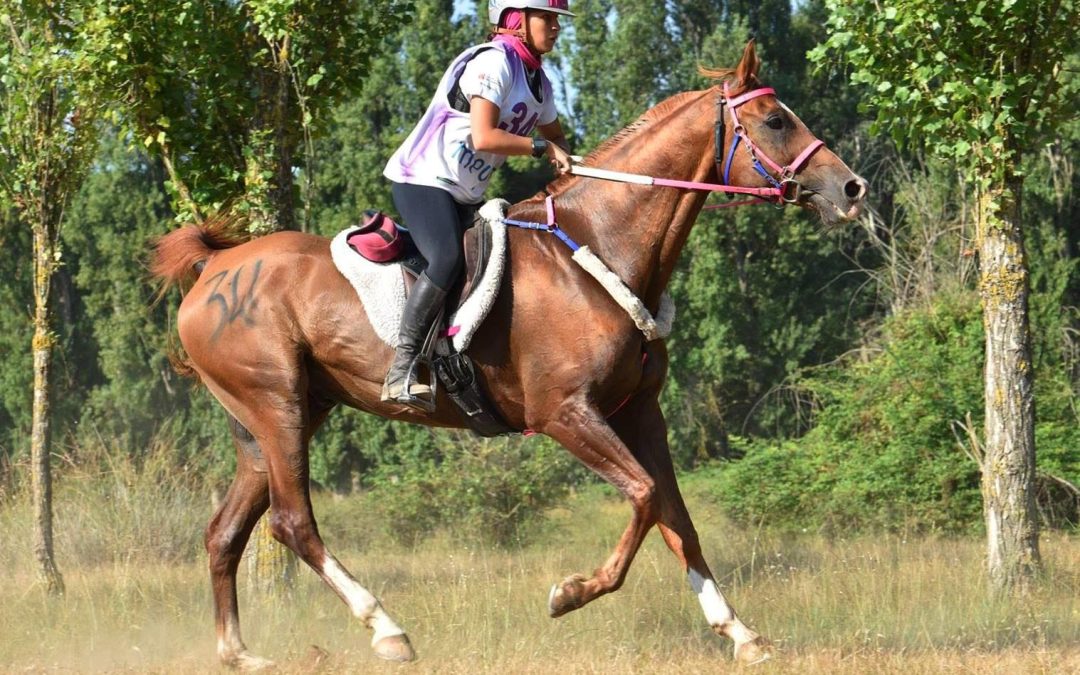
x=437 y=223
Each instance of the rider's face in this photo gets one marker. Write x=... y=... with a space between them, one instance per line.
x=543 y=30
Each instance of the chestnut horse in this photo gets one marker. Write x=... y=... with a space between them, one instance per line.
x=280 y=338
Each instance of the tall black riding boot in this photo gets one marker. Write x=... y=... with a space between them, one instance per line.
x=421 y=309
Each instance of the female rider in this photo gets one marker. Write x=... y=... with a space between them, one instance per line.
x=486 y=107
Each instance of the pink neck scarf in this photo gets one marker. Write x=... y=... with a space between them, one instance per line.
x=514 y=19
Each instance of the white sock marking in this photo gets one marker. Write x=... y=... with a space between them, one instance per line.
x=362 y=603
x=718 y=612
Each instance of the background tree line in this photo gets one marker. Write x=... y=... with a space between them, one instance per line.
x=830 y=380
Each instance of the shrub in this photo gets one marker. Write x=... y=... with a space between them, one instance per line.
x=882 y=453
x=490 y=491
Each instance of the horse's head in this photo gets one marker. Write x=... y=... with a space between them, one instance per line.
x=778 y=150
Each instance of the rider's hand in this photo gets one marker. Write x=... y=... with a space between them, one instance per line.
x=560 y=158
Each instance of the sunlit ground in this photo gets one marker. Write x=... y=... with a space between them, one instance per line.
x=871 y=605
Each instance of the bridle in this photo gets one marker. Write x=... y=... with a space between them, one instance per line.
x=789 y=189
x=784 y=189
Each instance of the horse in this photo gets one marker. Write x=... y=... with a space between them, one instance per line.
x=279 y=337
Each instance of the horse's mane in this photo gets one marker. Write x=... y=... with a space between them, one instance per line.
x=657 y=112
x=610 y=145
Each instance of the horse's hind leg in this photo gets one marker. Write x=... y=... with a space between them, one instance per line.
x=226 y=536
x=641 y=423
x=284 y=441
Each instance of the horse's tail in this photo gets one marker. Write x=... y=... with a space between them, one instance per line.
x=179 y=256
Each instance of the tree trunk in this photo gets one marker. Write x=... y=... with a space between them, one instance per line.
x=271 y=567
x=1008 y=467
x=40 y=437
x=268 y=178
x=268 y=196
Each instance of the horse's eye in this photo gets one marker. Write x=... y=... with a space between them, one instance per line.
x=774 y=122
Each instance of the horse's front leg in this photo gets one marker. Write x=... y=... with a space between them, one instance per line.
x=582 y=429
x=641 y=423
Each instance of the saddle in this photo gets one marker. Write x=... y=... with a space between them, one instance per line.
x=382 y=240
x=379 y=240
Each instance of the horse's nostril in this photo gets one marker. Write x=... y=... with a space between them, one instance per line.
x=855 y=189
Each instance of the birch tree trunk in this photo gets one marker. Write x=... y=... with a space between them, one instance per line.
x=271 y=568
x=40 y=436
x=1008 y=467
x=268 y=198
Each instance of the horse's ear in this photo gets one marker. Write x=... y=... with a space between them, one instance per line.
x=746 y=71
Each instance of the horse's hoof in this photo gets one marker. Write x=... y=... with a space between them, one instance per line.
x=395 y=648
x=755 y=651
x=248 y=662
x=567 y=596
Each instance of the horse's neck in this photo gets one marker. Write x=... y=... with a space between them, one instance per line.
x=639 y=231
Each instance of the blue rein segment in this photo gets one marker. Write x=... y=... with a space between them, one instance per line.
x=727 y=162
x=765 y=174
x=554 y=229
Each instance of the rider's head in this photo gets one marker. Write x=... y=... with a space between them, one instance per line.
x=534 y=21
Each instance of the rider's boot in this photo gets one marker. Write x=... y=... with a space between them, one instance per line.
x=421 y=310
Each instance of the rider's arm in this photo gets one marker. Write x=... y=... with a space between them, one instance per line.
x=488 y=137
x=554 y=133
x=486 y=134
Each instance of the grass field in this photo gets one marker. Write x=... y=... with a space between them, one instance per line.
x=138 y=598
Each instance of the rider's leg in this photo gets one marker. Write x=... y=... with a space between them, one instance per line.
x=421 y=309
x=434 y=220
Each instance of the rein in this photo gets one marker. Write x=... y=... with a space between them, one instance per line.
x=785 y=190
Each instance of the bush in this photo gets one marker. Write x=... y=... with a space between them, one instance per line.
x=490 y=491
x=882 y=453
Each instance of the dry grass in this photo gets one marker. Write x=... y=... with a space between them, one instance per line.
x=870 y=605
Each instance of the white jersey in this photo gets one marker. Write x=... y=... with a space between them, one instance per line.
x=439 y=152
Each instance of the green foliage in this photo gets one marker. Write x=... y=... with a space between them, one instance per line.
x=885 y=452
x=227 y=91
x=367 y=128
x=117 y=341
x=760 y=295
x=47 y=110
x=882 y=454
x=16 y=376
x=763 y=296
x=974 y=81
x=484 y=491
